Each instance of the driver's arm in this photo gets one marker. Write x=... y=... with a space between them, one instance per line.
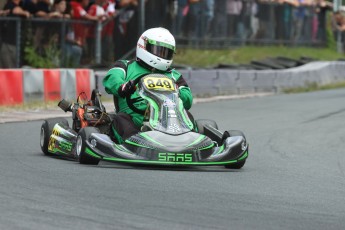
x=115 y=78
x=185 y=93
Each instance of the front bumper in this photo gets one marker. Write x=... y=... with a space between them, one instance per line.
x=234 y=150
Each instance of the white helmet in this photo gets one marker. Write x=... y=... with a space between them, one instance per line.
x=156 y=48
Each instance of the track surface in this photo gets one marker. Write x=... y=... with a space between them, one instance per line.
x=293 y=179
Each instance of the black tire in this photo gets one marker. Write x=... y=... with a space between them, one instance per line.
x=233 y=133
x=46 y=130
x=237 y=165
x=83 y=157
x=200 y=123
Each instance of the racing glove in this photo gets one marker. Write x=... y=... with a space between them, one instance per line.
x=126 y=89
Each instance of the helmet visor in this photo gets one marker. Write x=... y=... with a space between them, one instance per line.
x=160 y=49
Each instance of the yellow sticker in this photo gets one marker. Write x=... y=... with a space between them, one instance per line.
x=159 y=83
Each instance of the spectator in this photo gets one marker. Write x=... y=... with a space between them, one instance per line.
x=31 y=6
x=73 y=47
x=13 y=8
x=207 y=17
x=53 y=39
x=44 y=9
x=285 y=18
x=95 y=10
x=59 y=9
x=107 y=33
x=233 y=10
x=254 y=22
x=299 y=15
x=266 y=22
x=80 y=29
x=321 y=9
x=243 y=24
x=220 y=19
x=338 y=27
x=308 y=20
x=4 y=12
x=194 y=16
x=182 y=8
x=127 y=25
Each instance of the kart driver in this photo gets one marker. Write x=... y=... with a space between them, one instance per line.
x=154 y=54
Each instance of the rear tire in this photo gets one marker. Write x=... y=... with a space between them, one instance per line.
x=84 y=135
x=200 y=123
x=47 y=129
x=233 y=133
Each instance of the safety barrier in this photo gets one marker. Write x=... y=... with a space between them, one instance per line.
x=216 y=82
x=26 y=85
x=29 y=85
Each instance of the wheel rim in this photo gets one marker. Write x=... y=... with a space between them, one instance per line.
x=79 y=145
x=42 y=137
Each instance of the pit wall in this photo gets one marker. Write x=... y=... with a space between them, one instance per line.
x=26 y=85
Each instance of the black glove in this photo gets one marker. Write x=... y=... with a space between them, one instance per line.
x=126 y=89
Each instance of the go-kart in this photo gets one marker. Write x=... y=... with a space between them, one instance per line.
x=168 y=135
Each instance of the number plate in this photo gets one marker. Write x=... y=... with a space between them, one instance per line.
x=159 y=83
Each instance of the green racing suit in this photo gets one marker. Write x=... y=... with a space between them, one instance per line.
x=125 y=70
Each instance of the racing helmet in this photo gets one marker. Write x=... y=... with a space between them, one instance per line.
x=156 y=48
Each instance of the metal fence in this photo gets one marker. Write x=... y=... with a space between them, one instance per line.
x=205 y=24
x=48 y=43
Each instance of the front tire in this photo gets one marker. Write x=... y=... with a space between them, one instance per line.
x=47 y=129
x=237 y=165
x=82 y=156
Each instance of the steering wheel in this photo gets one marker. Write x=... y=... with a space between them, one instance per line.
x=130 y=101
x=95 y=98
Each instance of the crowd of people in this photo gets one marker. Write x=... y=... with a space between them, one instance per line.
x=80 y=16
x=296 y=21
x=290 y=21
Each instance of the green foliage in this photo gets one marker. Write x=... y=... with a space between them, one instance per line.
x=48 y=59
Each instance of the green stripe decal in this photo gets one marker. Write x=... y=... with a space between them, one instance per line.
x=55 y=150
x=244 y=156
x=199 y=139
x=220 y=150
x=156 y=111
x=153 y=42
x=168 y=162
x=150 y=139
x=185 y=119
x=136 y=144
x=207 y=147
x=117 y=135
x=91 y=153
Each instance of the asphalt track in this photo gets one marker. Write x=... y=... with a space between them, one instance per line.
x=293 y=179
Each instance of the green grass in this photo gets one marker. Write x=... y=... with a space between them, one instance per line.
x=244 y=55
x=37 y=105
x=315 y=87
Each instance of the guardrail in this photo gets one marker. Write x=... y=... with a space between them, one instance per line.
x=217 y=82
x=26 y=85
